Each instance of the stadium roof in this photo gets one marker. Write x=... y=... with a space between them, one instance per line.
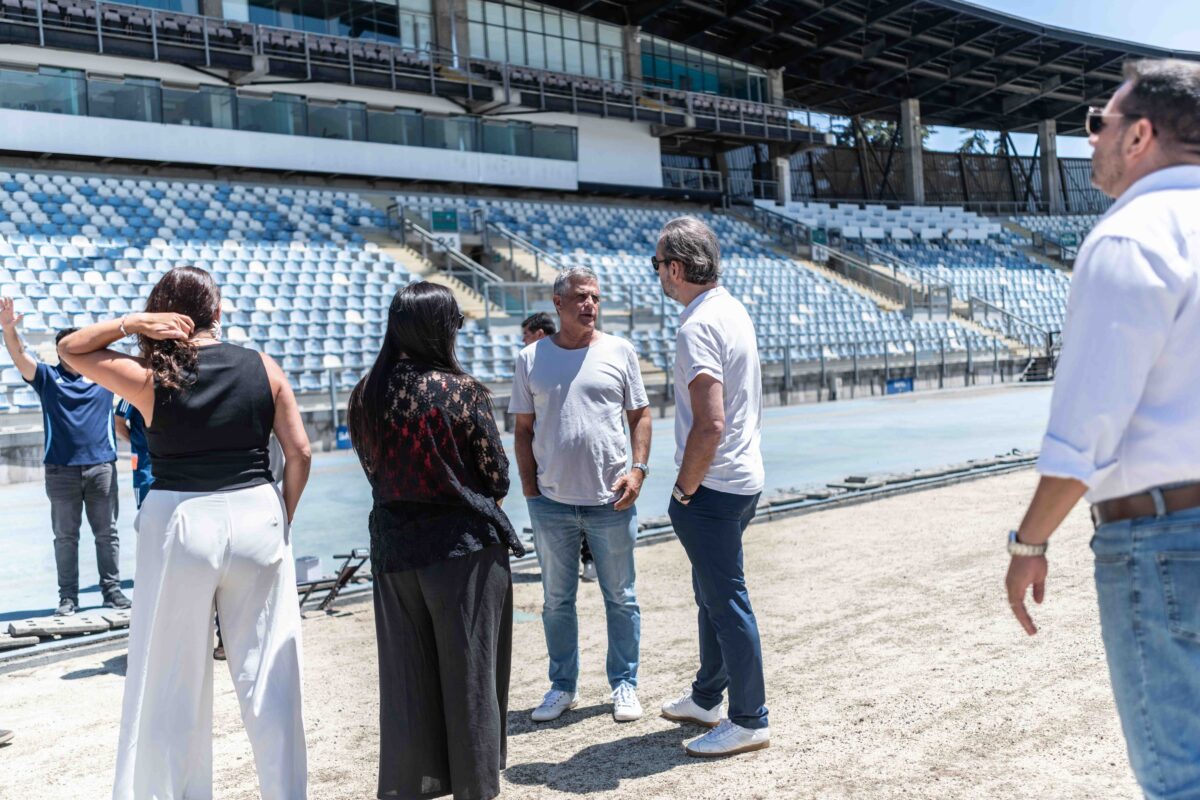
x=969 y=66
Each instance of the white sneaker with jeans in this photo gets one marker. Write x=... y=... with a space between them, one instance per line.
x=554 y=704
x=626 y=707
x=729 y=739
x=685 y=709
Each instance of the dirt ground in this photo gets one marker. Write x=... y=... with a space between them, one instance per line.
x=894 y=670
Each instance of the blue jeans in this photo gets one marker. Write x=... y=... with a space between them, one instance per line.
x=710 y=528
x=558 y=532
x=1148 y=586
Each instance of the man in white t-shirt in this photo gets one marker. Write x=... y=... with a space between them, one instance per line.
x=571 y=394
x=718 y=422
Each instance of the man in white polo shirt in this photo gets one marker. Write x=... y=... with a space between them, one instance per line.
x=572 y=393
x=718 y=421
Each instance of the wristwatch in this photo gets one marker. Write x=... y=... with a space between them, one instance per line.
x=680 y=497
x=645 y=468
x=1018 y=548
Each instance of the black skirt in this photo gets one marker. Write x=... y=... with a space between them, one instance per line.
x=445 y=652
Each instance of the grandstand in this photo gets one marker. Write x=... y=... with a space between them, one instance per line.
x=316 y=162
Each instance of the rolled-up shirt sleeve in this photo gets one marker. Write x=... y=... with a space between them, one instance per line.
x=1119 y=314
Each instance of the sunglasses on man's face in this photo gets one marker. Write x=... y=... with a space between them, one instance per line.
x=657 y=262
x=1097 y=120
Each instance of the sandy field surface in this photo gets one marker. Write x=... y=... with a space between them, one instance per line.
x=894 y=670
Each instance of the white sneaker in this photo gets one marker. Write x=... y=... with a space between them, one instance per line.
x=589 y=571
x=626 y=707
x=728 y=739
x=685 y=710
x=554 y=704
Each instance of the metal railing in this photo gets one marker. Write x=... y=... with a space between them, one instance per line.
x=934 y=293
x=700 y=180
x=515 y=242
x=1014 y=326
x=454 y=263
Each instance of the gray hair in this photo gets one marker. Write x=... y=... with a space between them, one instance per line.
x=693 y=244
x=1166 y=92
x=569 y=277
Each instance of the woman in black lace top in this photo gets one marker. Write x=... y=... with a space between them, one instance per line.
x=424 y=432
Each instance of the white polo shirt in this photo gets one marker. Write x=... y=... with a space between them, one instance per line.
x=1125 y=416
x=716 y=337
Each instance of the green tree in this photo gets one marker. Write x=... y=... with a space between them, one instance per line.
x=878 y=133
x=975 y=142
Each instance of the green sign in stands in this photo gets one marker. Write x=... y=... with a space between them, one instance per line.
x=444 y=221
x=1069 y=239
x=820 y=236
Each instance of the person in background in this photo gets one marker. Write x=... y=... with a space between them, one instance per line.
x=536 y=327
x=132 y=428
x=426 y=437
x=213 y=529
x=1124 y=428
x=81 y=465
x=572 y=395
x=718 y=451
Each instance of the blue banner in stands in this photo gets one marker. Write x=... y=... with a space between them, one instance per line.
x=343 y=437
x=896 y=386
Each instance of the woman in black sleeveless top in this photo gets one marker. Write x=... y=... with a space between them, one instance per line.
x=213 y=529
x=425 y=434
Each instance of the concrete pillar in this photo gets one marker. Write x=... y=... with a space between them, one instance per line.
x=775 y=86
x=723 y=169
x=914 y=151
x=1052 y=194
x=783 y=179
x=631 y=42
x=450 y=29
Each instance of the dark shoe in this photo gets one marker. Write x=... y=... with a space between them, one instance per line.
x=6 y=737
x=116 y=599
x=219 y=653
x=66 y=608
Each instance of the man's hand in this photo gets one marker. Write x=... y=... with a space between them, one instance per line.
x=9 y=318
x=629 y=486
x=1023 y=572
x=160 y=326
x=530 y=492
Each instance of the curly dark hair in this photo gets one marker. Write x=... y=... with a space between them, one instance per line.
x=184 y=290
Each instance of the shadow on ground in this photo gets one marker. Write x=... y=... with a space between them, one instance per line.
x=113 y=666
x=601 y=767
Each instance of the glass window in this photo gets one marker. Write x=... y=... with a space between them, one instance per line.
x=449 y=133
x=495 y=44
x=478 y=43
x=280 y=113
x=504 y=137
x=206 y=107
x=408 y=31
x=402 y=126
x=587 y=30
x=512 y=17
x=516 y=46
x=554 y=53
x=554 y=142
x=535 y=50
x=424 y=32
x=475 y=10
x=533 y=20
x=573 y=56
x=132 y=98
x=387 y=23
x=419 y=6
x=50 y=91
x=494 y=13
x=591 y=61
x=336 y=121
x=553 y=24
x=570 y=25
x=610 y=35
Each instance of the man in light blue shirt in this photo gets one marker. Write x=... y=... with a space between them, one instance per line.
x=81 y=466
x=1124 y=426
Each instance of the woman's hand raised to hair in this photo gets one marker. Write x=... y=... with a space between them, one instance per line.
x=160 y=326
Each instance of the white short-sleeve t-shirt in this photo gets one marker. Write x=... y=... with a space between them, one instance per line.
x=716 y=337
x=578 y=399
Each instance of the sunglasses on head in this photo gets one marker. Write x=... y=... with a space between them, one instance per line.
x=1096 y=120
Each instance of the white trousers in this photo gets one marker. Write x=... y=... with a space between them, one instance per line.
x=194 y=548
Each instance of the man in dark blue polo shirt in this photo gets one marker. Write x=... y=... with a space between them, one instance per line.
x=81 y=466
x=132 y=428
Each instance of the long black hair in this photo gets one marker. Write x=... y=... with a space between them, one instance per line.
x=422 y=325
x=184 y=290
